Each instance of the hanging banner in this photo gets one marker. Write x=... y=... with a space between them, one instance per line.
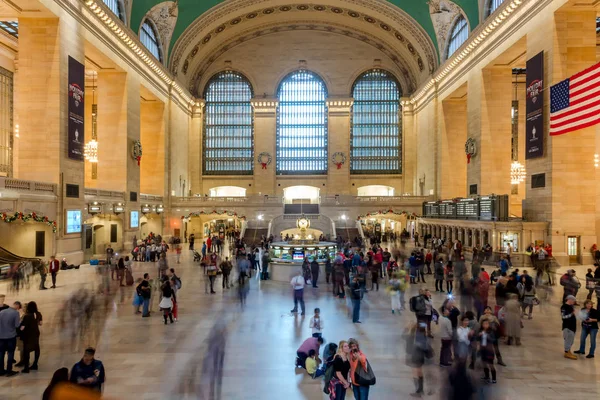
x=534 y=125
x=76 y=111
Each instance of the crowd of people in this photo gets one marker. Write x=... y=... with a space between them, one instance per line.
x=471 y=332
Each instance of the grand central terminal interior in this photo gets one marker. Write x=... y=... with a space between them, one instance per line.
x=175 y=176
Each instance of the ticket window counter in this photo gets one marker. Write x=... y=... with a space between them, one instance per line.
x=573 y=249
x=509 y=237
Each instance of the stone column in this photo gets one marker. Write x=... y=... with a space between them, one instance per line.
x=45 y=45
x=489 y=125
x=196 y=148
x=113 y=126
x=409 y=149
x=452 y=173
x=338 y=180
x=265 y=140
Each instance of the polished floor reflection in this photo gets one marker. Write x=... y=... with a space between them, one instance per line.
x=148 y=360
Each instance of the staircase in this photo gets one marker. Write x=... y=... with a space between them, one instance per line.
x=252 y=236
x=347 y=233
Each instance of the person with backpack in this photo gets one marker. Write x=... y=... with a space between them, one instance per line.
x=176 y=285
x=438 y=269
x=358 y=360
x=428 y=260
x=422 y=306
x=356 y=293
x=144 y=291
x=226 y=268
x=396 y=288
x=449 y=276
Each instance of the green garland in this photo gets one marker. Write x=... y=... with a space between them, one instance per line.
x=19 y=216
x=384 y=212
x=228 y=213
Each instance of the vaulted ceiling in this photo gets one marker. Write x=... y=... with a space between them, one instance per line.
x=190 y=10
x=410 y=33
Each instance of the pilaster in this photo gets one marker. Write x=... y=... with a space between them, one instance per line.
x=338 y=179
x=265 y=139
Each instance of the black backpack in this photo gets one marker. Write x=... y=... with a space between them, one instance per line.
x=416 y=304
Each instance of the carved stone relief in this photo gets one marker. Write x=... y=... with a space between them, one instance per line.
x=164 y=16
x=443 y=13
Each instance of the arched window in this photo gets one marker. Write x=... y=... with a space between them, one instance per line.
x=149 y=38
x=116 y=6
x=491 y=6
x=228 y=126
x=376 y=139
x=458 y=34
x=302 y=125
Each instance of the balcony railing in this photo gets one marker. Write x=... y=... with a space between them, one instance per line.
x=111 y=194
x=151 y=197
x=343 y=200
x=23 y=186
x=209 y=201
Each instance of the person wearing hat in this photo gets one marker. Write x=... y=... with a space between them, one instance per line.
x=570 y=284
x=569 y=324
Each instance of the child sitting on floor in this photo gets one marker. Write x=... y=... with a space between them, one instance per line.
x=312 y=364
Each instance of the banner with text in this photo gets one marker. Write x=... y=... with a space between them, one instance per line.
x=534 y=126
x=76 y=111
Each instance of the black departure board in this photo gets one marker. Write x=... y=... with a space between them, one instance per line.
x=483 y=208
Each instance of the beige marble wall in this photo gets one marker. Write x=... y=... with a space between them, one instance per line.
x=178 y=141
x=573 y=180
x=338 y=180
x=265 y=134
x=425 y=126
x=453 y=135
x=152 y=174
x=112 y=130
x=39 y=105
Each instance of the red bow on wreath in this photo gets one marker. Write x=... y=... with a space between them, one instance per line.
x=138 y=158
x=339 y=165
x=264 y=165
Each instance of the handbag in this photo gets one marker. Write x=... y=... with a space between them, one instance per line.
x=364 y=377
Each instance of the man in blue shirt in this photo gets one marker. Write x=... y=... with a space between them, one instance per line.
x=9 y=322
x=88 y=372
x=503 y=265
x=243 y=267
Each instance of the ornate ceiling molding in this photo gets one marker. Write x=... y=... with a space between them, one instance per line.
x=381 y=22
x=407 y=80
x=164 y=16
x=443 y=13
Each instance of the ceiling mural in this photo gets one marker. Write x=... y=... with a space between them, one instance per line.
x=164 y=16
x=443 y=14
x=190 y=10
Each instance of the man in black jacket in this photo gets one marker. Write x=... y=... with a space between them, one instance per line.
x=314 y=270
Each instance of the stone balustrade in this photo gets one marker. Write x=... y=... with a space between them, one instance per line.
x=20 y=185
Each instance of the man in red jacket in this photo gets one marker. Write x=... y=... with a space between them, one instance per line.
x=53 y=267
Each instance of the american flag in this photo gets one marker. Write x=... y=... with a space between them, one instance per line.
x=575 y=102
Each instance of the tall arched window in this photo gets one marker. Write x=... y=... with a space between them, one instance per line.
x=491 y=6
x=376 y=139
x=458 y=34
x=302 y=125
x=228 y=125
x=149 y=38
x=116 y=6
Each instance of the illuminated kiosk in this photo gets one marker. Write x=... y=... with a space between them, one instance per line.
x=287 y=257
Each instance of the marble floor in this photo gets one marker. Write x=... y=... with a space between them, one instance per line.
x=148 y=360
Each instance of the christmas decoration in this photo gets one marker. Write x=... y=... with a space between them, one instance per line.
x=385 y=212
x=338 y=159
x=222 y=212
x=264 y=159
x=470 y=149
x=136 y=151
x=19 y=216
